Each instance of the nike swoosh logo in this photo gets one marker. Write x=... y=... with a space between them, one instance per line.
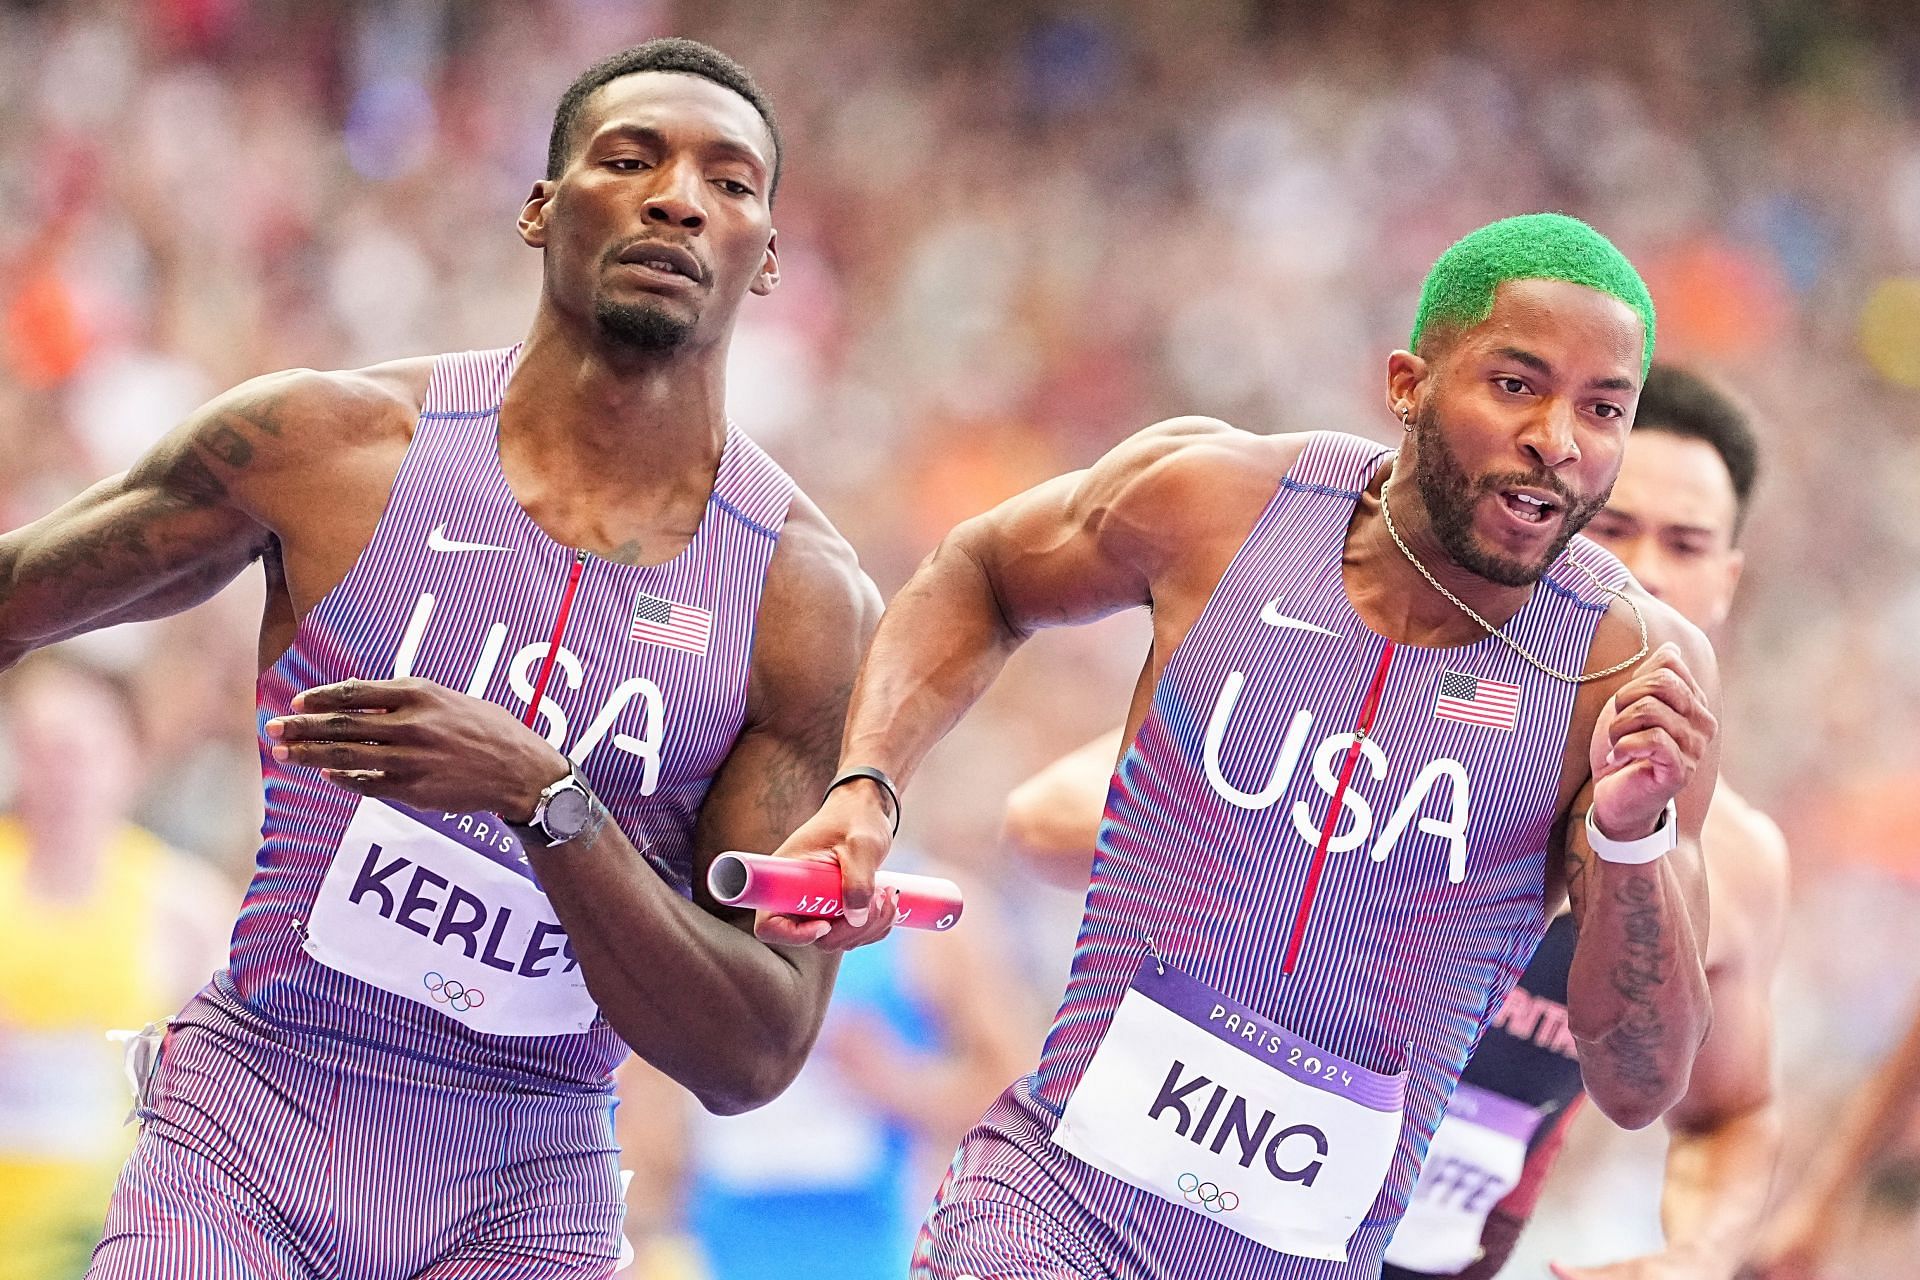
x=438 y=541
x=1271 y=615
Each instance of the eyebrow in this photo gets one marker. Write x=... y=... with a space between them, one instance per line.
x=726 y=147
x=1540 y=366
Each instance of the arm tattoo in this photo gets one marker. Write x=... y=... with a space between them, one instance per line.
x=229 y=446
x=157 y=545
x=1638 y=976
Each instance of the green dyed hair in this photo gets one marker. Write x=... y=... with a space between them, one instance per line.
x=1458 y=293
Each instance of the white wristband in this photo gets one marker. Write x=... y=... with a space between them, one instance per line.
x=1664 y=840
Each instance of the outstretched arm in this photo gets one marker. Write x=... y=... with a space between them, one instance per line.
x=1078 y=547
x=156 y=539
x=1805 y=1230
x=1637 y=1001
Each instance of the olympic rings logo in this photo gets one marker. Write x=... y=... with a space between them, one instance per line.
x=452 y=992
x=1207 y=1195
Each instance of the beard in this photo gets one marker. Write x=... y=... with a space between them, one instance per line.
x=641 y=326
x=1450 y=496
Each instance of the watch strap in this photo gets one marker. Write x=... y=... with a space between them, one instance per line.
x=1664 y=839
x=878 y=778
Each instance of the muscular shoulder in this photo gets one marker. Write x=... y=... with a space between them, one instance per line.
x=280 y=441
x=817 y=612
x=1618 y=638
x=306 y=411
x=1178 y=480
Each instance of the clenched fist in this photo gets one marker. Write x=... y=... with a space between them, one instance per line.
x=1648 y=741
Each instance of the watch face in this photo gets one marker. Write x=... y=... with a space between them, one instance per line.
x=567 y=814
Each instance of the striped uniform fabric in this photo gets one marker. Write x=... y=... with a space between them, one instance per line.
x=1205 y=848
x=287 y=1076
x=1527 y=1055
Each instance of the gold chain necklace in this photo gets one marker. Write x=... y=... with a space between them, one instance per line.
x=1386 y=513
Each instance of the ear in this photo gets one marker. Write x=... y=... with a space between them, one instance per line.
x=1406 y=379
x=533 y=214
x=767 y=279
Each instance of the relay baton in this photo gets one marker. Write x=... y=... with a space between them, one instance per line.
x=799 y=887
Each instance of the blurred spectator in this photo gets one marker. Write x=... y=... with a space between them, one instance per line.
x=104 y=928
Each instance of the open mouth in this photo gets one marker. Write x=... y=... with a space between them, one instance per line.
x=1529 y=506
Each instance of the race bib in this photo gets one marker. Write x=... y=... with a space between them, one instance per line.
x=1203 y=1102
x=1476 y=1157
x=424 y=907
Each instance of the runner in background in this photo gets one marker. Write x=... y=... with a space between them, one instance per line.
x=106 y=928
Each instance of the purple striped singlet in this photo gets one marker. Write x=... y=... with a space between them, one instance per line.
x=1428 y=905
x=646 y=722
x=304 y=1122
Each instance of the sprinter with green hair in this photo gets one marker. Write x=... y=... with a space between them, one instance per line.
x=1393 y=714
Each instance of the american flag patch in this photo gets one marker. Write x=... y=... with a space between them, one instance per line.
x=677 y=626
x=1477 y=700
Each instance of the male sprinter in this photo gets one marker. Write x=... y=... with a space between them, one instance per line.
x=1674 y=520
x=404 y=1071
x=1390 y=704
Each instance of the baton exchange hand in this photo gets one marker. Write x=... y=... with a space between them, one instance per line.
x=853 y=832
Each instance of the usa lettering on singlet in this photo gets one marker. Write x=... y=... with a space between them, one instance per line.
x=1427 y=906
x=427 y=932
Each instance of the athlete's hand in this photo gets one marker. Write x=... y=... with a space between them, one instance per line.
x=853 y=832
x=419 y=743
x=1654 y=1266
x=1647 y=743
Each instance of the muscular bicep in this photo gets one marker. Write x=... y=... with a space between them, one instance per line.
x=817 y=613
x=164 y=535
x=1088 y=544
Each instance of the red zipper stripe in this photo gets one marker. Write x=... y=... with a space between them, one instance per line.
x=559 y=629
x=1369 y=712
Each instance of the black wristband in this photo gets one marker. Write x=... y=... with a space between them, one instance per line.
x=872 y=775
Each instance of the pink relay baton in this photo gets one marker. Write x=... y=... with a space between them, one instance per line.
x=797 y=887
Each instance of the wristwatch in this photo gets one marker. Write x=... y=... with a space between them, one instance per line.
x=564 y=811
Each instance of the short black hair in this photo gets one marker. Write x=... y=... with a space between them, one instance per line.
x=1682 y=403
x=672 y=54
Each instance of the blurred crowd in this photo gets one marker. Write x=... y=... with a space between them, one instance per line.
x=1011 y=233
